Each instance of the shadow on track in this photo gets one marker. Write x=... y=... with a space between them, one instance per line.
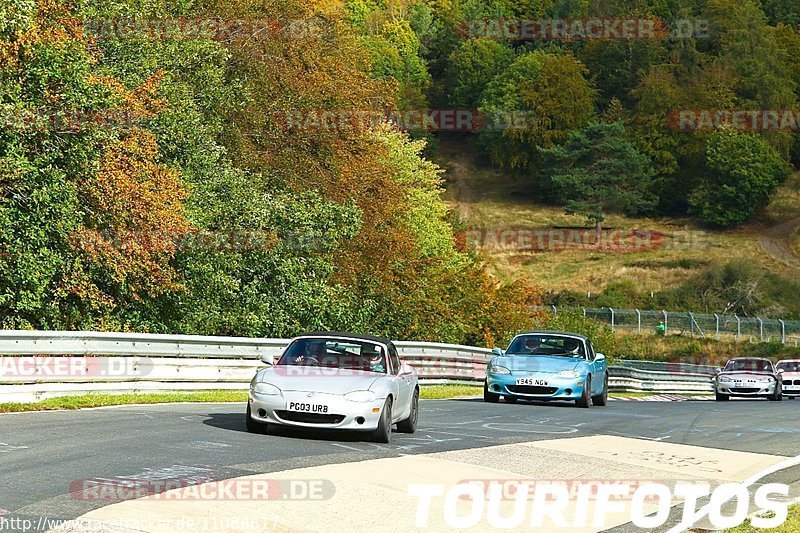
x=236 y=422
x=523 y=403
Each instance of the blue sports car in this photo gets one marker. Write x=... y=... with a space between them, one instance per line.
x=547 y=365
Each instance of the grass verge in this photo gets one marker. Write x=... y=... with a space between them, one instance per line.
x=791 y=525
x=443 y=392
x=101 y=400
x=433 y=392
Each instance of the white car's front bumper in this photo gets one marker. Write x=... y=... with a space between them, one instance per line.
x=340 y=413
x=746 y=389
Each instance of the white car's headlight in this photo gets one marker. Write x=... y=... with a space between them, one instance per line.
x=764 y=380
x=361 y=396
x=723 y=379
x=568 y=374
x=266 y=388
x=496 y=369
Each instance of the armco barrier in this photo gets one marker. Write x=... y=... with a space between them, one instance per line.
x=154 y=362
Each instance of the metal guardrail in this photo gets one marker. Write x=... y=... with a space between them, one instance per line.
x=137 y=362
x=134 y=362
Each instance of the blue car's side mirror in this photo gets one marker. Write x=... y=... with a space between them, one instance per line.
x=498 y=351
x=599 y=357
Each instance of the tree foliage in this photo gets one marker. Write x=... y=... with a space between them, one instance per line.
x=743 y=171
x=597 y=171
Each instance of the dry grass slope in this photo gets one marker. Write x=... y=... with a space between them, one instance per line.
x=491 y=200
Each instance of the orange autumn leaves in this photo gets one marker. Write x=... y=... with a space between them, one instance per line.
x=135 y=213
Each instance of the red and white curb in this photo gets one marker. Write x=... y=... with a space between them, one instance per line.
x=662 y=398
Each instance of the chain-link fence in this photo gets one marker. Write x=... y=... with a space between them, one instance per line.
x=754 y=329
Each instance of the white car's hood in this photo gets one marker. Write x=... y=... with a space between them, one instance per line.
x=315 y=379
x=745 y=375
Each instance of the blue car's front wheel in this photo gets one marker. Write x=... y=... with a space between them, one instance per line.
x=489 y=396
x=602 y=398
x=586 y=398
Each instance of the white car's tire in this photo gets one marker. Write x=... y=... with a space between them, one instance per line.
x=254 y=426
x=383 y=433
x=409 y=425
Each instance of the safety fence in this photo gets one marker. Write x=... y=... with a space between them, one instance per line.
x=753 y=329
x=35 y=365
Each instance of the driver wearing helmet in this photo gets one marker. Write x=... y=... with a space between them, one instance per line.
x=532 y=344
x=375 y=356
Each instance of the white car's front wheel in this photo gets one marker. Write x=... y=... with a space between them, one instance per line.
x=383 y=433
x=254 y=426
x=409 y=425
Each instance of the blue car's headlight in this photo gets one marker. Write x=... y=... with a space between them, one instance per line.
x=497 y=369
x=266 y=388
x=568 y=374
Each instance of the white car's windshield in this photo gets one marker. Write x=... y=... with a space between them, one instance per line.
x=546 y=345
x=335 y=353
x=789 y=366
x=748 y=365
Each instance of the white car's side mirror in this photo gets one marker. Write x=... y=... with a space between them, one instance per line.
x=267 y=359
x=406 y=369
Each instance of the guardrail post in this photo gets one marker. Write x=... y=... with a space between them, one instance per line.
x=716 y=317
x=783 y=331
x=638 y=322
x=555 y=312
x=612 y=317
x=760 y=329
x=584 y=312
x=738 y=326
x=665 y=322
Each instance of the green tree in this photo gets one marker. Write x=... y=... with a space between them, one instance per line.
x=743 y=171
x=535 y=103
x=472 y=66
x=598 y=170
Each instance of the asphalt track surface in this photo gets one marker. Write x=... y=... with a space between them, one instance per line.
x=43 y=453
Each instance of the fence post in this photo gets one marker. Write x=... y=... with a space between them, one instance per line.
x=716 y=317
x=760 y=329
x=665 y=321
x=612 y=317
x=555 y=312
x=638 y=322
x=738 y=326
x=584 y=312
x=691 y=324
x=783 y=331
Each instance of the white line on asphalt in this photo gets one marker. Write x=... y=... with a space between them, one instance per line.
x=783 y=465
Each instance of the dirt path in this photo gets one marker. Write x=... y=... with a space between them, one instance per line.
x=777 y=240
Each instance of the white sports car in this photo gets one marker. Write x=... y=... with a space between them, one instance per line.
x=790 y=372
x=332 y=380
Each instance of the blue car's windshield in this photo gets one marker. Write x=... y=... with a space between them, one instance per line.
x=546 y=345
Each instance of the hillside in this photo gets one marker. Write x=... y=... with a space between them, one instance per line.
x=492 y=201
